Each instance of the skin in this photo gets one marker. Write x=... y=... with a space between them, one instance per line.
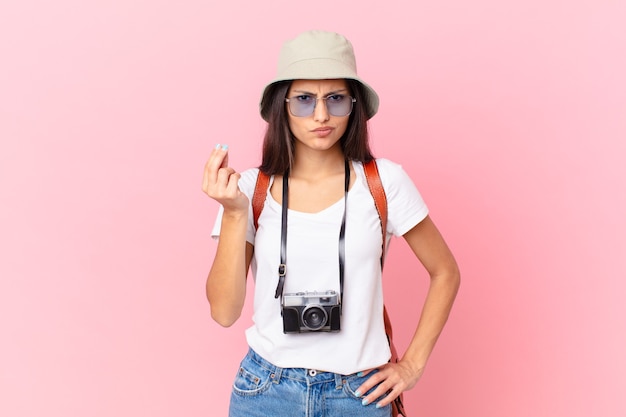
x=316 y=183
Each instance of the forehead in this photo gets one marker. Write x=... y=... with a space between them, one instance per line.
x=318 y=86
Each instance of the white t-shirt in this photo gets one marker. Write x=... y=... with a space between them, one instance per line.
x=313 y=265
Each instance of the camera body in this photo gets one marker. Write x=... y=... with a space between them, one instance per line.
x=311 y=312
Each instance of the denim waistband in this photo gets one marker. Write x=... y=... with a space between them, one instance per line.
x=310 y=376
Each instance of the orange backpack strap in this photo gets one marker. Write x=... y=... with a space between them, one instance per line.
x=380 y=201
x=258 y=198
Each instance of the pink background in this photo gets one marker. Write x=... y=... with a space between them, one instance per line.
x=509 y=115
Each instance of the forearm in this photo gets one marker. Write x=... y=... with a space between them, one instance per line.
x=226 y=283
x=441 y=294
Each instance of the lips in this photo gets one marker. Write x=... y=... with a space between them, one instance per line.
x=323 y=131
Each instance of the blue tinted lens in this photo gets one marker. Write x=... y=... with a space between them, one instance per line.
x=302 y=105
x=339 y=105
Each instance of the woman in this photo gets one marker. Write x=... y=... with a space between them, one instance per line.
x=324 y=251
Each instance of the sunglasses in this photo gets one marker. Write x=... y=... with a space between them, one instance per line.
x=338 y=105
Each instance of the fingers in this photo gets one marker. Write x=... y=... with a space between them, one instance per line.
x=366 y=372
x=387 y=384
x=223 y=176
x=221 y=182
x=375 y=382
x=232 y=186
x=225 y=160
x=217 y=160
x=383 y=394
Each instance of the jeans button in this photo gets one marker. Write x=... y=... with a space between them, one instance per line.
x=312 y=372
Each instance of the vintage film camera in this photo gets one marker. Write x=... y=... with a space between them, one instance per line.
x=311 y=312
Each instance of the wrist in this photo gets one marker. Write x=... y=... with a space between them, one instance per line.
x=416 y=367
x=235 y=215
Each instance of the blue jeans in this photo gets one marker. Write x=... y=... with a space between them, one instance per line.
x=262 y=389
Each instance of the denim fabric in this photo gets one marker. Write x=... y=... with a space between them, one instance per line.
x=262 y=389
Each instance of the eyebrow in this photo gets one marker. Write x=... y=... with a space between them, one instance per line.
x=343 y=90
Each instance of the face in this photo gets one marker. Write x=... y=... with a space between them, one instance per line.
x=320 y=130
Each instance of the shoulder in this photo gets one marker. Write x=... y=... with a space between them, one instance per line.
x=391 y=173
x=387 y=165
x=406 y=205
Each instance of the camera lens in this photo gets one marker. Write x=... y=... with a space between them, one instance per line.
x=314 y=317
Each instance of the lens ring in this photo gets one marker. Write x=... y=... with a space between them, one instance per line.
x=341 y=109
x=300 y=108
x=337 y=108
x=314 y=317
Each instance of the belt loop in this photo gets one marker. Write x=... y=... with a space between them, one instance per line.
x=276 y=374
x=339 y=380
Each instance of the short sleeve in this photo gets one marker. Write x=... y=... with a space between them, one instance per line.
x=406 y=207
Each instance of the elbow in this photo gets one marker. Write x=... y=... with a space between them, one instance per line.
x=224 y=311
x=454 y=275
x=450 y=278
x=457 y=282
x=223 y=319
x=455 y=279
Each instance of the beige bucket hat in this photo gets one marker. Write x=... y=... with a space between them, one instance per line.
x=320 y=55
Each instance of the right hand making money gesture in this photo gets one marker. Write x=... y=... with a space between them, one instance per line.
x=220 y=182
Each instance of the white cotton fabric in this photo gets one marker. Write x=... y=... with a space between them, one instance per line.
x=312 y=265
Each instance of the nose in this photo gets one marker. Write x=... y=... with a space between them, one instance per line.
x=320 y=113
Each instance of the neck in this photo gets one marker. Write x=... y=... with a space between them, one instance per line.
x=317 y=164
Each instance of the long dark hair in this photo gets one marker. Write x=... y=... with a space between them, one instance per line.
x=278 y=150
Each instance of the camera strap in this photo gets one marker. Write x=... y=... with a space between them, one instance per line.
x=282 y=268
